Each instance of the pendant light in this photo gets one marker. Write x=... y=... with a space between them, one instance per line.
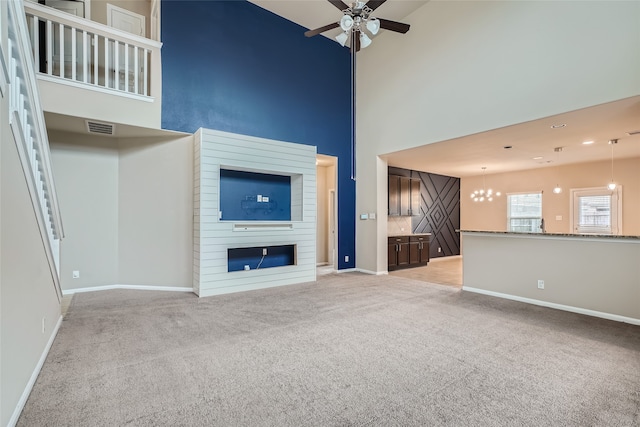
x=557 y=189
x=482 y=194
x=612 y=185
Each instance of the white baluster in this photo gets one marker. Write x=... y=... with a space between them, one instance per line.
x=116 y=64
x=126 y=67
x=61 y=32
x=106 y=62
x=95 y=59
x=35 y=42
x=74 y=56
x=85 y=59
x=146 y=71
x=49 y=44
x=136 y=73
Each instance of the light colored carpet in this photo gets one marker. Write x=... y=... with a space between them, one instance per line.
x=349 y=350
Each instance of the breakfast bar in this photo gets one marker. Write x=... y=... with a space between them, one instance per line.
x=597 y=275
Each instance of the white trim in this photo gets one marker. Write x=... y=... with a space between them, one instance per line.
x=563 y=307
x=134 y=287
x=4 y=72
x=91 y=86
x=375 y=273
x=39 y=210
x=347 y=270
x=34 y=376
x=112 y=8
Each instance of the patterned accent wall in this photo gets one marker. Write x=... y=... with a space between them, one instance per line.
x=439 y=210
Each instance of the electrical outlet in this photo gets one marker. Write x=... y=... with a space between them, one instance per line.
x=346 y=258
x=439 y=249
x=75 y=274
x=264 y=251
x=246 y=267
x=44 y=324
x=540 y=284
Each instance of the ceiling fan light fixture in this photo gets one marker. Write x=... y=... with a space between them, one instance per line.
x=373 y=25
x=342 y=38
x=346 y=23
x=364 y=40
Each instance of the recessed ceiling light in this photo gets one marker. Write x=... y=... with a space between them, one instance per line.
x=561 y=125
x=537 y=158
x=587 y=142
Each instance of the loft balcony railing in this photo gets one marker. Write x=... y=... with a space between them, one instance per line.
x=79 y=51
x=26 y=120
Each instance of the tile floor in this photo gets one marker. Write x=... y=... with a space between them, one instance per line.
x=443 y=271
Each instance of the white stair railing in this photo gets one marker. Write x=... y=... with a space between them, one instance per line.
x=78 y=50
x=26 y=120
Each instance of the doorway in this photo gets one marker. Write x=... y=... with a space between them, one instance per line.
x=327 y=213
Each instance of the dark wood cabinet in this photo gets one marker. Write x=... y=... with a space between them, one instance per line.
x=407 y=251
x=404 y=196
x=394 y=195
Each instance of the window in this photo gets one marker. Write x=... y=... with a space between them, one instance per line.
x=596 y=210
x=524 y=212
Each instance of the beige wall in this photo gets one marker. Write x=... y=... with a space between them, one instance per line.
x=127 y=210
x=326 y=181
x=492 y=216
x=155 y=215
x=86 y=173
x=599 y=275
x=27 y=293
x=468 y=67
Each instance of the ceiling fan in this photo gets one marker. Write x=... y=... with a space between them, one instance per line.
x=355 y=19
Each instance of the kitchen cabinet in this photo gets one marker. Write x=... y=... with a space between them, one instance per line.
x=407 y=251
x=404 y=196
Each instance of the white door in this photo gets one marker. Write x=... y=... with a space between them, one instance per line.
x=73 y=7
x=125 y=20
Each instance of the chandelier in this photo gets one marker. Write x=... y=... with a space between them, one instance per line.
x=482 y=194
x=354 y=21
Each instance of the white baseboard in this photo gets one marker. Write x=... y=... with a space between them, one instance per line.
x=347 y=270
x=136 y=287
x=570 y=308
x=34 y=376
x=375 y=273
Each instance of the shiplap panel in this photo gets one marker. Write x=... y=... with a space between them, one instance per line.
x=216 y=150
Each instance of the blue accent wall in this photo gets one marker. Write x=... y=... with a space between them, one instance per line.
x=235 y=67
x=239 y=193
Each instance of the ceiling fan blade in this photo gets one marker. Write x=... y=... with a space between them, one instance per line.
x=339 y=4
x=317 y=31
x=398 y=27
x=374 y=4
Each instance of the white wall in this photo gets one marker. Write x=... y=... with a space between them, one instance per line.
x=213 y=237
x=467 y=67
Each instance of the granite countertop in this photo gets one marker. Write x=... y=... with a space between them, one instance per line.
x=409 y=234
x=585 y=236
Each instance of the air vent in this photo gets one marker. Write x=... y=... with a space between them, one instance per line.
x=100 y=128
x=634 y=132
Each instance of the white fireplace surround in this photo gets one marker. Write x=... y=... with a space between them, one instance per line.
x=215 y=150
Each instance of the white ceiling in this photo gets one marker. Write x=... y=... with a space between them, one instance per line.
x=313 y=14
x=466 y=156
